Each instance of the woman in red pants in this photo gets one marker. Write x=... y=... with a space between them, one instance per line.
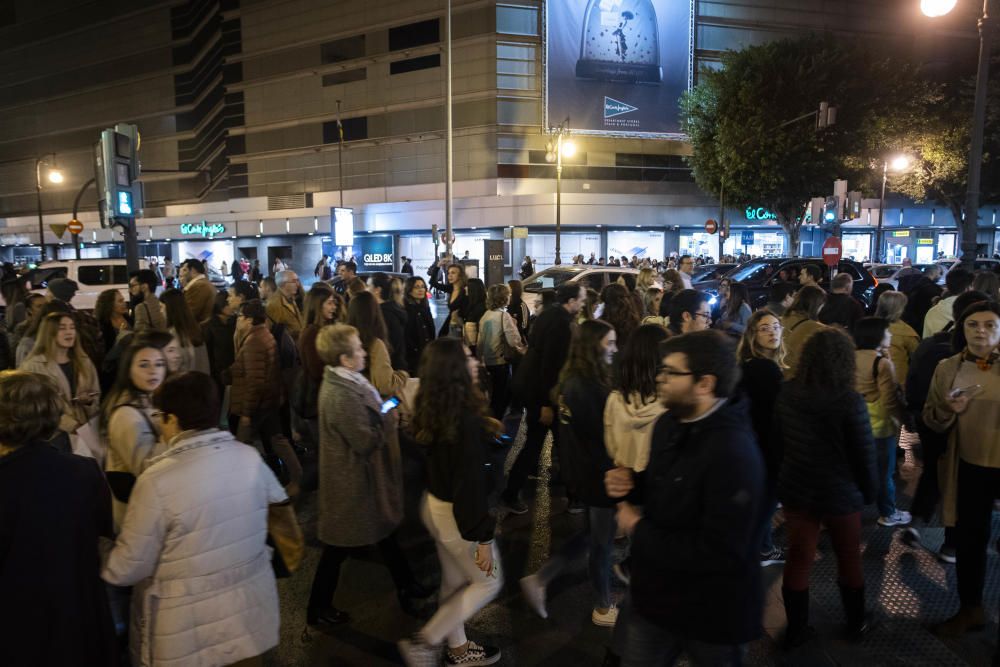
x=827 y=475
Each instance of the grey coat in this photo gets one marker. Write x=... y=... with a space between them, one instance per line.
x=360 y=469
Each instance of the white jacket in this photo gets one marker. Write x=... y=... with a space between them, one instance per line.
x=628 y=429
x=193 y=545
x=495 y=326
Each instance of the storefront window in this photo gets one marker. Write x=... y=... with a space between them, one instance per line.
x=542 y=248
x=946 y=245
x=635 y=244
x=857 y=246
x=765 y=244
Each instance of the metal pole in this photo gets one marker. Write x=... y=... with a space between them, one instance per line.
x=448 y=195
x=340 y=155
x=38 y=197
x=559 y=139
x=970 y=225
x=722 y=217
x=881 y=212
x=131 y=246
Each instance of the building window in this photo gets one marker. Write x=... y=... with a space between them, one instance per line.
x=514 y=20
x=414 y=64
x=339 y=78
x=354 y=129
x=516 y=67
x=414 y=34
x=348 y=48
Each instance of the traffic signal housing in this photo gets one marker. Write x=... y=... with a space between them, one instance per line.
x=830 y=210
x=117 y=169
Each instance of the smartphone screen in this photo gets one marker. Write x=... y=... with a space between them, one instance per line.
x=390 y=404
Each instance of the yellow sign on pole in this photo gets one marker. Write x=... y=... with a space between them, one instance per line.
x=58 y=229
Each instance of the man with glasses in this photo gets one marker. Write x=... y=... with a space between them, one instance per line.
x=689 y=312
x=695 y=541
x=686 y=267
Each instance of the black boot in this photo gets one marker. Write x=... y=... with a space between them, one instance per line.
x=798 y=631
x=859 y=622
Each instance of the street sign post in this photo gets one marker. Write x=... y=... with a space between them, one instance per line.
x=711 y=226
x=832 y=250
x=74 y=227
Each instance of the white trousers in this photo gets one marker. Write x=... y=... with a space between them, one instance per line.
x=465 y=589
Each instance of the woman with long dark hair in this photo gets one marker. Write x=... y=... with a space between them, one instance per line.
x=761 y=354
x=364 y=315
x=458 y=299
x=111 y=313
x=673 y=284
x=474 y=310
x=419 y=321
x=828 y=474
x=620 y=311
x=584 y=385
x=451 y=420
x=518 y=309
x=187 y=351
x=736 y=312
x=633 y=408
x=390 y=300
x=323 y=307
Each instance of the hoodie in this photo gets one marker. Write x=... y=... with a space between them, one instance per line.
x=628 y=427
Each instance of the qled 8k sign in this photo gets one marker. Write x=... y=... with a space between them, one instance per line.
x=618 y=66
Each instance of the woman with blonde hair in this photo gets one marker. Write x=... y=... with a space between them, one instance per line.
x=499 y=343
x=646 y=279
x=761 y=354
x=59 y=356
x=904 y=339
x=651 y=307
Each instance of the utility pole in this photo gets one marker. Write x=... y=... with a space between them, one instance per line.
x=448 y=194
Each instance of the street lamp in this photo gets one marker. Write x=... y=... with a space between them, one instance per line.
x=559 y=146
x=970 y=224
x=55 y=176
x=898 y=163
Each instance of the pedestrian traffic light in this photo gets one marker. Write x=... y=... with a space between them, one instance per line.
x=117 y=169
x=830 y=207
x=853 y=205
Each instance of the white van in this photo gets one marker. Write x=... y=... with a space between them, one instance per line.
x=92 y=277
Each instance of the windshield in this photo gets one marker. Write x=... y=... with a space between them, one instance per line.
x=554 y=276
x=751 y=271
x=884 y=271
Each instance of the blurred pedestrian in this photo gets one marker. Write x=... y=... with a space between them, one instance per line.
x=498 y=345
x=733 y=317
x=620 y=311
x=187 y=351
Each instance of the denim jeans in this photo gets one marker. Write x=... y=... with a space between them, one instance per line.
x=644 y=644
x=885 y=450
x=598 y=537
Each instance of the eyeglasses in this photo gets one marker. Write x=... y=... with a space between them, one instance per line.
x=989 y=327
x=768 y=328
x=669 y=372
x=707 y=316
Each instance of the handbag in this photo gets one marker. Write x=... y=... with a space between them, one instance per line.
x=284 y=536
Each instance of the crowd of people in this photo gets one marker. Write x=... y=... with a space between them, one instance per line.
x=150 y=453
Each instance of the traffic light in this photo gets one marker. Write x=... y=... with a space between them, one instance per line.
x=830 y=206
x=117 y=169
x=853 y=205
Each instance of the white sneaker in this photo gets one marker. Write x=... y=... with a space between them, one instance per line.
x=897 y=518
x=607 y=619
x=534 y=592
x=416 y=653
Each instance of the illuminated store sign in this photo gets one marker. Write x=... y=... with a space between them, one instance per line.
x=203 y=229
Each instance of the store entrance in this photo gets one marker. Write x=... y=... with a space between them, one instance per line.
x=274 y=252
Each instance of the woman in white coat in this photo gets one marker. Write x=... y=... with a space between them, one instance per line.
x=193 y=541
x=59 y=356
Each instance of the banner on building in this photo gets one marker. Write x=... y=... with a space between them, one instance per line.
x=618 y=66
x=374 y=253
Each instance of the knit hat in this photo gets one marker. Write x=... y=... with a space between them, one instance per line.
x=63 y=289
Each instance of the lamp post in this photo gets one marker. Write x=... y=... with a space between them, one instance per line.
x=898 y=163
x=970 y=224
x=559 y=145
x=55 y=176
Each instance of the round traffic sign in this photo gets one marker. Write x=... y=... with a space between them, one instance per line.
x=832 y=250
x=75 y=226
x=711 y=226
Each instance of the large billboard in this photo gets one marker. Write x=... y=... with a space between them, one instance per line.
x=618 y=66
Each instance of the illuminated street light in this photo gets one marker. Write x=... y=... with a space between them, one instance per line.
x=897 y=163
x=558 y=147
x=935 y=8
x=55 y=176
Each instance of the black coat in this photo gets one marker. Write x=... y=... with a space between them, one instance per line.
x=696 y=552
x=918 y=301
x=548 y=345
x=760 y=382
x=842 y=309
x=419 y=331
x=827 y=451
x=219 y=343
x=582 y=453
x=395 y=324
x=53 y=605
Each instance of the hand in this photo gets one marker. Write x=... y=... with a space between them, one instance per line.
x=958 y=404
x=484 y=557
x=627 y=517
x=618 y=482
x=547 y=416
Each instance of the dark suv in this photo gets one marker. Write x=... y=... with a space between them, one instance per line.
x=760 y=274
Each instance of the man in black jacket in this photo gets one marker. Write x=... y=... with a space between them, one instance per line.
x=696 y=583
x=920 y=294
x=538 y=373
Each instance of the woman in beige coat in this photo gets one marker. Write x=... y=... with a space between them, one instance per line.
x=58 y=355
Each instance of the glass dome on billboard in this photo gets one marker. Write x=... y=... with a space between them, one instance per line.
x=620 y=42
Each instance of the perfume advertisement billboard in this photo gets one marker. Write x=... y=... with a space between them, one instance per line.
x=618 y=66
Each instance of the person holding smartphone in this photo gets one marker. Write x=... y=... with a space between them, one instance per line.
x=963 y=403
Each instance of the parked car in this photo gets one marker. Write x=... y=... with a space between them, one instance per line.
x=93 y=276
x=760 y=274
x=707 y=276
x=590 y=276
x=981 y=264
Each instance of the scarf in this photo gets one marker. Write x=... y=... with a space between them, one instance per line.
x=983 y=364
